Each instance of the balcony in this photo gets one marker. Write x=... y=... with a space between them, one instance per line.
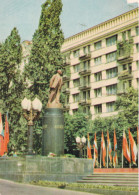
x=85 y=56
x=66 y=62
x=124 y=75
x=66 y=107
x=84 y=86
x=124 y=51
x=66 y=90
x=66 y=78
x=83 y=102
x=124 y=58
x=85 y=71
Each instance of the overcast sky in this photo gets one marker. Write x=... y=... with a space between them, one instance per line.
x=77 y=15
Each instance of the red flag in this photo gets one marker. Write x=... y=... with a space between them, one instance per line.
x=126 y=151
x=1 y=137
x=109 y=147
x=89 y=155
x=134 y=150
x=115 y=149
x=103 y=149
x=95 y=149
x=6 y=134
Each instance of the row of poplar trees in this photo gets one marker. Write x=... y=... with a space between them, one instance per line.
x=45 y=59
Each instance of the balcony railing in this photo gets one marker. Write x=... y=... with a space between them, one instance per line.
x=125 y=74
x=66 y=90
x=85 y=56
x=66 y=77
x=84 y=86
x=66 y=106
x=124 y=51
x=66 y=62
x=85 y=102
x=85 y=71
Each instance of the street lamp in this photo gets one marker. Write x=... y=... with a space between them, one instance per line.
x=31 y=112
x=80 y=144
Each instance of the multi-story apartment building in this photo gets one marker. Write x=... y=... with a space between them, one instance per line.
x=101 y=63
x=26 y=50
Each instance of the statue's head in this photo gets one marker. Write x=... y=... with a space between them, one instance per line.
x=59 y=71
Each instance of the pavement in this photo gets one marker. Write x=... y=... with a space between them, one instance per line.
x=13 y=188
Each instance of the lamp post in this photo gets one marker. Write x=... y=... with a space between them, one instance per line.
x=31 y=112
x=80 y=144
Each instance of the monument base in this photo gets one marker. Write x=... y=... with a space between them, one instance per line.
x=53 y=132
x=35 y=168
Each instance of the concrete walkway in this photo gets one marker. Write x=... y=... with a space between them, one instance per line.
x=12 y=188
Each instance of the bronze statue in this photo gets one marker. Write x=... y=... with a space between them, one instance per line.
x=55 y=88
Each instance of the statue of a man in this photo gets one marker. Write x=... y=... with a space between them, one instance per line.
x=55 y=87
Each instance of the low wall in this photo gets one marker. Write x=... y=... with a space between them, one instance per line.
x=116 y=170
x=34 y=168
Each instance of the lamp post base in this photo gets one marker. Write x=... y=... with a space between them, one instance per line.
x=30 y=140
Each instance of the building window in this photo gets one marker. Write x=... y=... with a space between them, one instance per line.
x=127 y=67
x=129 y=34
x=86 y=49
x=76 y=68
x=85 y=95
x=86 y=65
x=110 y=106
x=137 y=47
x=97 y=60
x=111 y=57
x=111 y=40
x=66 y=85
x=111 y=72
x=98 y=76
x=111 y=89
x=98 y=92
x=86 y=81
x=86 y=109
x=76 y=97
x=76 y=82
x=98 y=108
x=76 y=53
x=66 y=58
x=130 y=83
x=137 y=30
x=97 y=45
x=67 y=99
x=124 y=35
x=75 y=110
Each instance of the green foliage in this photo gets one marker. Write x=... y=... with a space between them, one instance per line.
x=75 y=125
x=12 y=88
x=45 y=58
x=127 y=105
x=125 y=48
x=82 y=187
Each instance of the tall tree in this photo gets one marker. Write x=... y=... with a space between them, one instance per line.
x=11 y=85
x=45 y=57
x=127 y=105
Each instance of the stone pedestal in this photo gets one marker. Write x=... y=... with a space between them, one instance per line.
x=53 y=132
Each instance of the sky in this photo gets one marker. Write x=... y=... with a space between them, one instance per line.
x=76 y=16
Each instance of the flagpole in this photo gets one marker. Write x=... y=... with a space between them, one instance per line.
x=100 y=157
x=107 y=156
x=130 y=155
x=122 y=159
x=94 y=158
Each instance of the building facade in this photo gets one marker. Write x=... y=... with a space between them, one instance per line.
x=100 y=64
